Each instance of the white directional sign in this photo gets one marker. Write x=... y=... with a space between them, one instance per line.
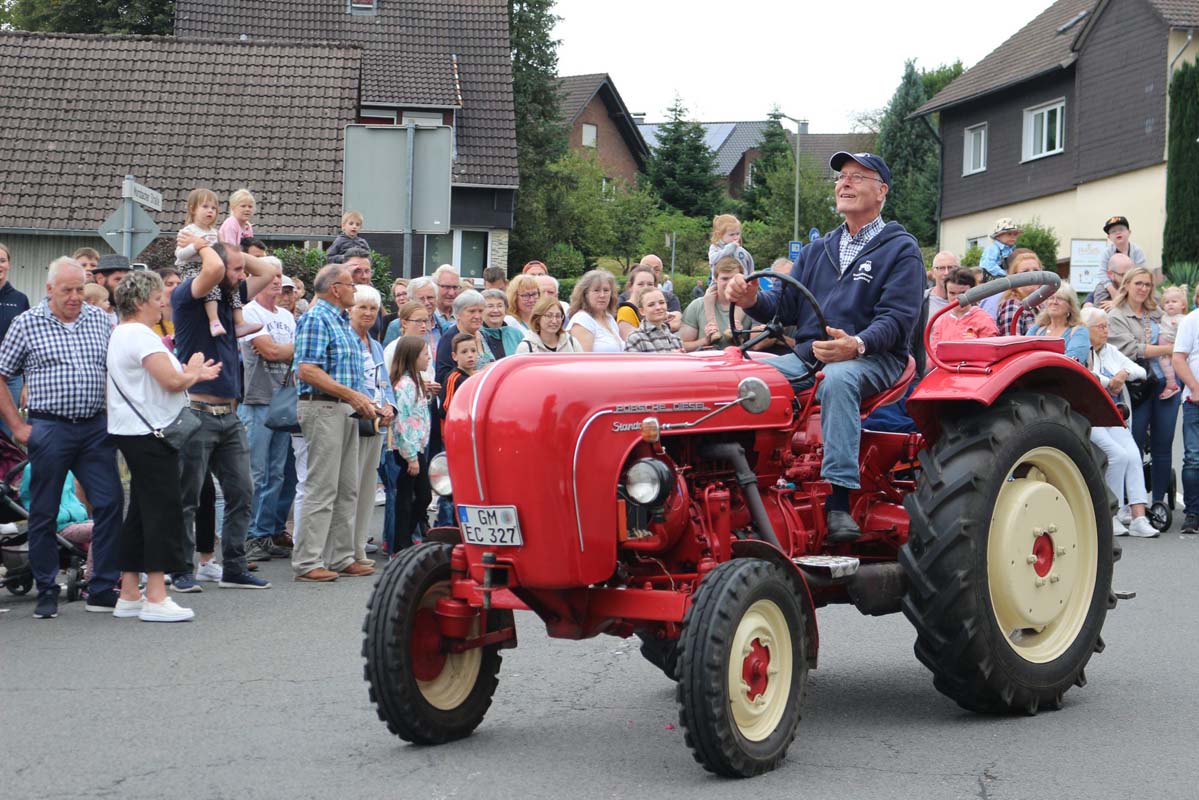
x=142 y=230
x=141 y=194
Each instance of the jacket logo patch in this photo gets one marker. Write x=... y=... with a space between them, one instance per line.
x=862 y=273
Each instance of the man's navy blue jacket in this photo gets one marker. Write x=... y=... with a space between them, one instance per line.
x=877 y=298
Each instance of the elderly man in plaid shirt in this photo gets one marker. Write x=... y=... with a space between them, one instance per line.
x=60 y=346
x=330 y=366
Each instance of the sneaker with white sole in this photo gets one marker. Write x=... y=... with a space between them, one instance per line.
x=1118 y=528
x=1125 y=515
x=166 y=611
x=127 y=609
x=209 y=571
x=1142 y=529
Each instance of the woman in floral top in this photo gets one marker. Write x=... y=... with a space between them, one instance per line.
x=411 y=437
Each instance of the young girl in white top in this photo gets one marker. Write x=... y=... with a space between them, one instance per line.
x=592 y=313
x=202 y=207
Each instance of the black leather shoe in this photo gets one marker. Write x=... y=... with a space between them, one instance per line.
x=841 y=528
x=1190 y=524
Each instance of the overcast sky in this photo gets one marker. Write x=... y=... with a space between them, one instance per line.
x=735 y=60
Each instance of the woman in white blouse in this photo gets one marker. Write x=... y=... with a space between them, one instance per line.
x=593 y=313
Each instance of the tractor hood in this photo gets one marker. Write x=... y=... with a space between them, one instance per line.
x=549 y=434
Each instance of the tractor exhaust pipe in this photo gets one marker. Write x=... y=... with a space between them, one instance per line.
x=748 y=481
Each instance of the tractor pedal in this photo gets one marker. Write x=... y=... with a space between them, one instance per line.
x=835 y=568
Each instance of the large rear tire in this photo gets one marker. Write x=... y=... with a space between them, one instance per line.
x=1009 y=557
x=742 y=668
x=424 y=695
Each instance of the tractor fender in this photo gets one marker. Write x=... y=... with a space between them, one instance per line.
x=944 y=392
x=752 y=548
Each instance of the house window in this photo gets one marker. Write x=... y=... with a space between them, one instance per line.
x=589 y=134
x=981 y=242
x=421 y=118
x=974 y=152
x=1044 y=130
x=469 y=250
x=363 y=7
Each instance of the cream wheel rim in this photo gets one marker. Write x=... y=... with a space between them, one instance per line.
x=458 y=677
x=759 y=670
x=1042 y=555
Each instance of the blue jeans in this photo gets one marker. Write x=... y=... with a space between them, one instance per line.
x=268 y=456
x=14 y=388
x=389 y=471
x=1190 y=458
x=86 y=450
x=840 y=394
x=1153 y=421
x=219 y=445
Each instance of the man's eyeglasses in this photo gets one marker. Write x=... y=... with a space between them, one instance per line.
x=341 y=283
x=855 y=178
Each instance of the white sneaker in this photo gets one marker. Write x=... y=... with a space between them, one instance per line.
x=1142 y=528
x=210 y=571
x=1118 y=528
x=8 y=527
x=380 y=497
x=1125 y=515
x=166 y=611
x=127 y=609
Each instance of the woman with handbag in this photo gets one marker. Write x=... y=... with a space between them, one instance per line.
x=1134 y=321
x=1125 y=476
x=371 y=432
x=149 y=420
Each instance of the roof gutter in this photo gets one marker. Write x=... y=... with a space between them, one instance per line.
x=1064 y=64
x=1183 y=49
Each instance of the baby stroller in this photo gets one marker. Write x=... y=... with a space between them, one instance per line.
x=1160 y=514
x=14 y=547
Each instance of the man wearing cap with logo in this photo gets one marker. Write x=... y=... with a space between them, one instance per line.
x=108 y=273
x=1118 y=241
x=266 y=355
x=868 y=277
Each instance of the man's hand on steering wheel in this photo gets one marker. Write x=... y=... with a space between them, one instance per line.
x=741 y=292
x=840 y=347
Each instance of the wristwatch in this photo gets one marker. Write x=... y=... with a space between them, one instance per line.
x=861 y=345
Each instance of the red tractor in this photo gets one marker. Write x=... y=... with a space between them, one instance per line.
x=679 y=499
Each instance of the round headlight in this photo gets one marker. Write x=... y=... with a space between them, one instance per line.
x=648 y=482
x=439 y=475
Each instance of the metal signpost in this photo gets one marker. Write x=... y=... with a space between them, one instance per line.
x=130 y=229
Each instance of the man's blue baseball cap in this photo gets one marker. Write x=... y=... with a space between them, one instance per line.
x=867 y=160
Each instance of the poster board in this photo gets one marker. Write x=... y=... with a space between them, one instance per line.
x=1085 y=270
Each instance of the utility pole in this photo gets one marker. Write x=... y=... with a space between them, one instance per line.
x=800 y=127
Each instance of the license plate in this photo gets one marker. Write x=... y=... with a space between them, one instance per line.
x=492 y=526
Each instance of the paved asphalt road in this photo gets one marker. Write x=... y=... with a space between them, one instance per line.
x=262 y=696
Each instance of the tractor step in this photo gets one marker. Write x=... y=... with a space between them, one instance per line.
x=836 y=568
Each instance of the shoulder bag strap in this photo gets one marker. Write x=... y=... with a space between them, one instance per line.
x=156 y=431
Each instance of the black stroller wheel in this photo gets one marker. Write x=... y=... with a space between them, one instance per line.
x=74 y=578
x=20 y=585
x=1159 y=517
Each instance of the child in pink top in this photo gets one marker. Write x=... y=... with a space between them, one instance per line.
x=201 y=220
x=959 y=324
x=1174 y=306
x=237 y=226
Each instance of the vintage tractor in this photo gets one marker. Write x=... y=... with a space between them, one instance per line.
x=678 y=498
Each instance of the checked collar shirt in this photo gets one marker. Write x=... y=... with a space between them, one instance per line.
x=324 y=338
x=851 y=246
x=650 y=338
x=64 y=364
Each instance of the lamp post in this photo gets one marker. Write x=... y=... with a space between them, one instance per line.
x=800 y=124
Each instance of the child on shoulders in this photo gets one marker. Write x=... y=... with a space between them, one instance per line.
x=201 y=220
x=351 y=223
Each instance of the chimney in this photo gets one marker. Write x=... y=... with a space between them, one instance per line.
x=638 y=117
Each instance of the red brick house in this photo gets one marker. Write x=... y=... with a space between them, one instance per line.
x=600 y=123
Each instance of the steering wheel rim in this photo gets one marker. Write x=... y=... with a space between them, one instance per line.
x=774 y=328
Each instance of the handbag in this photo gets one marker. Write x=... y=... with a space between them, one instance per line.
x=369 y=427
x=281 y=413
x=176 y=433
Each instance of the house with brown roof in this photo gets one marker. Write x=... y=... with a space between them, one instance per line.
x=600 y=123
x=1066 y=122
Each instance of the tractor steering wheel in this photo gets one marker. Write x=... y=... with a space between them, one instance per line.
x=774 y=328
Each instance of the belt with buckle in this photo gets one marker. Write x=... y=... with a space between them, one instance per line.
x=215 y=409
x=318 y=397
x=46 y=416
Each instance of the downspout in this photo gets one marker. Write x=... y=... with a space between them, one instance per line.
x=940 y=173
x=1183 y=49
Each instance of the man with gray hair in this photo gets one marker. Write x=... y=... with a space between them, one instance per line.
x=329 y=366
x=61 y=347
x=449 y=283
x=359 y=262
x=944 y=263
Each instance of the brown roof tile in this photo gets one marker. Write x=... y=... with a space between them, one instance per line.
x=408 y=47
x=82 y=111
x=576 y=91
x=1178 y=13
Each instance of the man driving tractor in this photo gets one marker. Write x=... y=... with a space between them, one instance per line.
x=868 y=277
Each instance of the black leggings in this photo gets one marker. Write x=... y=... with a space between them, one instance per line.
x=412 y=502
x=152 y=537
x=206 y=517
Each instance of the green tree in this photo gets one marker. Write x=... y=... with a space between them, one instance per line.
x=1042 y=240
x=768 y=240
x=630 y=208
x=541 y=134
x=578 y=206
x=682 y=166
x=775 y=153
x=93 y=16
x=1181 y=237
x=690 y=235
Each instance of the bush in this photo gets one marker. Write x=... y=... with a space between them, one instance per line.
x=1184 y=273
x=973 y=256
x=1042 y=241
x=304 y=263
x=565 y=261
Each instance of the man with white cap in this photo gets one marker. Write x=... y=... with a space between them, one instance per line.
x=868 y=277
x=267 y=355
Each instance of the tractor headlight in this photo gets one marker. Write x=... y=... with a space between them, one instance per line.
x=648 y=482
x=439 y=475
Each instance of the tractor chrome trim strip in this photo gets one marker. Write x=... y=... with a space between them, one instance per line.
x=574 y=475
x=474 y=442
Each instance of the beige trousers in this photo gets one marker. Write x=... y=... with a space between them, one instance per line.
x=330 y=489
